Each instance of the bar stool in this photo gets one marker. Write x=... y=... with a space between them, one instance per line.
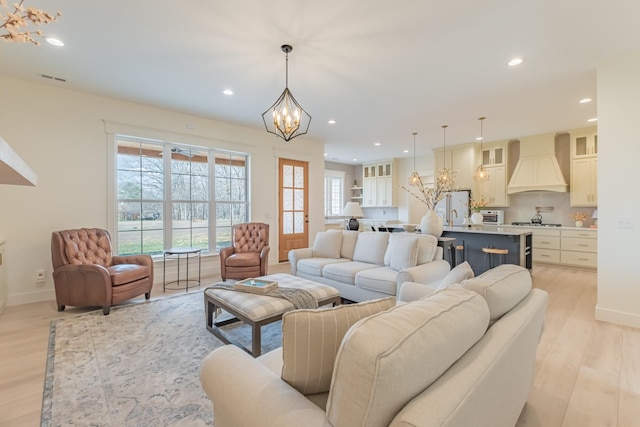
x=459 y=253
x=501 y=255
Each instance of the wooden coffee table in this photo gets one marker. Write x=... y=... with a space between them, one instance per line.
x=259 y=310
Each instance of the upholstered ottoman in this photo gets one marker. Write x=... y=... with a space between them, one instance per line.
x=259 y=310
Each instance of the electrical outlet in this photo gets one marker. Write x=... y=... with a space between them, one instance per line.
x=625 y=222
x=40 y=276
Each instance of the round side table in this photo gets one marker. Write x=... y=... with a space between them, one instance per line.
x=177 y=253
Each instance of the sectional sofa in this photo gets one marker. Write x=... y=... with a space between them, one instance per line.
x=368 y=265
x=460 y=356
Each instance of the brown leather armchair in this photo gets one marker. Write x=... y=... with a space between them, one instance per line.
x=86 y=273
x=248 y=256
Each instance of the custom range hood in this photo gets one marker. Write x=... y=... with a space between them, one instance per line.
x=537 y=168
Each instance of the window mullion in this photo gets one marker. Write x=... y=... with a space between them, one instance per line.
x=168 y=199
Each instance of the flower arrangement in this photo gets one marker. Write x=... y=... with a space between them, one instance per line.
x=579 y=216
x=476 y=205
x=18 y=18
x=430 y=195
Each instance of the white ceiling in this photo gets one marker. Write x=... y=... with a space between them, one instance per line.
x=381 y=69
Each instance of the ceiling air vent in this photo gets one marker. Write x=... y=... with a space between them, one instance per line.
x=58 y=79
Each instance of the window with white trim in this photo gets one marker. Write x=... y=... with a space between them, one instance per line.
x=333 y=192
x=165 y=196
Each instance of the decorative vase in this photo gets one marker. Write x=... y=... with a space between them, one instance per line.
x=476 y=218
x=431 y=223
x=578 y=223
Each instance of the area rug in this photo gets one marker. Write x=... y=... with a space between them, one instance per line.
x=138 y=366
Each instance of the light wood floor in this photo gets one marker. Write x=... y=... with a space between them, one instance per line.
x=588 y=372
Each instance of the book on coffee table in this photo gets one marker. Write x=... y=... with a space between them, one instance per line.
x=256 y=286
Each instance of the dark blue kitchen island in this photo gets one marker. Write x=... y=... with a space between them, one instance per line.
x=517 y=241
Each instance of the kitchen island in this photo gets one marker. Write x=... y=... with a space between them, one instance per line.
x=517 y=241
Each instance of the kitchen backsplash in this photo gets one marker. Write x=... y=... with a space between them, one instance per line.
x=523 y=207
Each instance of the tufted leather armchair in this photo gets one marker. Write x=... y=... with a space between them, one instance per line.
x=86 y=273
x=248 y=256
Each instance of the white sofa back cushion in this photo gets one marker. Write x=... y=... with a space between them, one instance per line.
x=310 y=341
x=502 y=287
x=327 y=245
x=387 y=359
x=349 y=238
x=371 y=247
x=427 y=246
x=402 y=251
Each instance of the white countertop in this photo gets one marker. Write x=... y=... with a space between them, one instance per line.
x=489 y=229
x=533 y=227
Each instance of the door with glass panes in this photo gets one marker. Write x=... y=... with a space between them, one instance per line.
x=293 y=210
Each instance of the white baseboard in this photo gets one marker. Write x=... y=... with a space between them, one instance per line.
x=30 y=297
x=618 y=317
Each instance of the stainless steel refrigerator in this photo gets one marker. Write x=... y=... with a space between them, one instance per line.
x=454 y=207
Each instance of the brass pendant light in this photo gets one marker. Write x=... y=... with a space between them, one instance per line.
x=415 y=176
x=445 y=176
x=482 y=174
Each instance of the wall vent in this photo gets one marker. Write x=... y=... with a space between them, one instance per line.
x=58 y=79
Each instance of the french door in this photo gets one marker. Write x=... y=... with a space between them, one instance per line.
x=294 y=206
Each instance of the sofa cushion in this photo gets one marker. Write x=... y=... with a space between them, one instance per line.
x=349 y=238
x=380 y=279
x=402 y=251
x=310 y=341
x=459 y=273
x=345 y=272
x=502 y=287
x=327 y=245
x=387 y=359
x=427 y=247
x=314 y=266
x=371 y=247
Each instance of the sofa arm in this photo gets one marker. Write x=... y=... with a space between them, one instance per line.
x=245 y=393
x=429 y=273
x=296 y=255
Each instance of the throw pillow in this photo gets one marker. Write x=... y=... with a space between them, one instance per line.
x=402 y=252
x=327 y=245
x=459 y=273
x=370 y=247
x=311 y=338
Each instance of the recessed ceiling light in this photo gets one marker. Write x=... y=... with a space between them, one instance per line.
x=227 y=92
x=585 y=100
x=377 y=144
x=595 y=119
x=54 y=41
x=332 y=122
x=325 y=154
x=515 y=61
x=479 y=139
x=355 y=160
x=405 y=151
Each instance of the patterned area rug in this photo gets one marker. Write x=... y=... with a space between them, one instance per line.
x=138 y=366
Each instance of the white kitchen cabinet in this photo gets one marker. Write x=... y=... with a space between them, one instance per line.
x=546 y=245
x=460 y=158
x=356 y=194
x=378 y=184
x=495 y=188
x=584 y=182
x=584 y=143
x=579 y=248
x=494 y=154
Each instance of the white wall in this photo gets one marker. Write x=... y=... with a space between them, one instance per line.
x=61 y=135
x=618 y=154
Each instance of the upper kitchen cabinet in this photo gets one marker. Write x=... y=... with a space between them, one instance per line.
x=584 y=143
x=460 y=158
x=584 y=167
x=494 y=159
x=379 y=184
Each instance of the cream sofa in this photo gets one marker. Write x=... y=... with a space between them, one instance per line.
x=368 y=265
x=463 y=356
